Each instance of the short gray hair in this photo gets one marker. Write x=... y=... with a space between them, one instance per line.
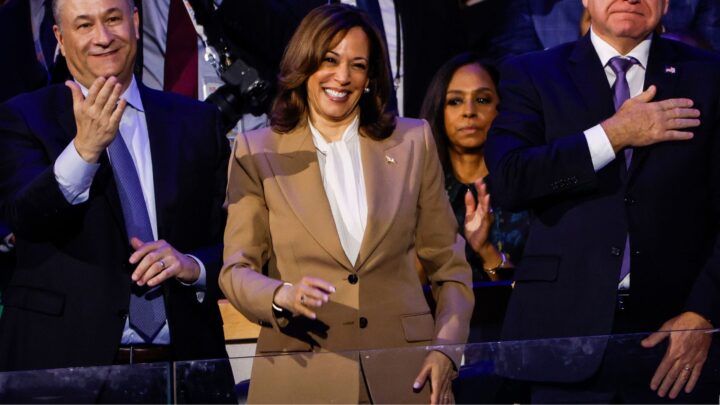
x=56 y=9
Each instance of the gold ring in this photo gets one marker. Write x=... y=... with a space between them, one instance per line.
x=687 y=368
x=162 y=264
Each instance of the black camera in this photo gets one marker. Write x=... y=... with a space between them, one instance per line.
x=244 y=92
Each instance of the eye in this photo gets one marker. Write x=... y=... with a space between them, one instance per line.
x=483 y=100
x=330 y=59
x=360 y=66
x=454 y=101
x=84 y=26
x=114 y=19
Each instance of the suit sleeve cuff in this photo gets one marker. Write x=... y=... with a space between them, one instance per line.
x=201 y=283
x=74 y=175
x=601 y=150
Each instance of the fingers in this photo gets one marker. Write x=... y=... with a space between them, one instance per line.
x=647 y=95
x=422 y=377
x=94 y=90
x=654 y=339
x=77 y=95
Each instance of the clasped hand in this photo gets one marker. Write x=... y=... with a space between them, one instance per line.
x=158 y=261
x=97 y=116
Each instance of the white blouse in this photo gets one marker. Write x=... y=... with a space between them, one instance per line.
x=344 y=183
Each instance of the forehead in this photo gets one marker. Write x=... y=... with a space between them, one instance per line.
x=350 y=39
x=70 y=9
x=472 y=73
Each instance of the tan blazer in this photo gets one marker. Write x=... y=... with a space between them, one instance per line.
x=280 y=228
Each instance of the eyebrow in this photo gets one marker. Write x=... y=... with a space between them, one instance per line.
x=479 y=89
x=355 y=58
x=89 y=17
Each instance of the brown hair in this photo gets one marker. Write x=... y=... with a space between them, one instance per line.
x=319 y=32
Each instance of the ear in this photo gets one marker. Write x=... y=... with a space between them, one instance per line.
x=59 y=36
x=136 y=22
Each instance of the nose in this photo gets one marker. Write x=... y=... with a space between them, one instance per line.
x=469 y=108
x=342 y=73
x=103 y=37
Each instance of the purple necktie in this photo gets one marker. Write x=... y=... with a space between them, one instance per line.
x=621 y=92
x=147 y=308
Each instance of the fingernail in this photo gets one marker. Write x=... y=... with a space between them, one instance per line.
x=332 y=289
x=416 y=385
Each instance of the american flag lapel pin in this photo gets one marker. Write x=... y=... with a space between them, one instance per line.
x=670 y=69
x=389 y=160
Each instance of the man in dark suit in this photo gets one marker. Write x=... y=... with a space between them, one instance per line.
x=624 y=195
x=114 y=192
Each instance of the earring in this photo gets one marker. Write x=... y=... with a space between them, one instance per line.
x=367 y=90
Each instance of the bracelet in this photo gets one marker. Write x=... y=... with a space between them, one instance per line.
x=493 y=270
x=275 y=306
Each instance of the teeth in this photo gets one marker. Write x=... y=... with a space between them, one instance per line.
x=333 y=93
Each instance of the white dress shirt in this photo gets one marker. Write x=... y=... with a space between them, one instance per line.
x=74 y=176
x=342 y=173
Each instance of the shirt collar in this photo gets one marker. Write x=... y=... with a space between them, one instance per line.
x=605 y=51
x=131 y=94
x=350 y=133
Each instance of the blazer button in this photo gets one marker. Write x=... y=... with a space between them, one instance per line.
x=615 y=251
x=363 y=322
x=353 y=279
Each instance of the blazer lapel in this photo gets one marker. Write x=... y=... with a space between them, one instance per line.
x=297 y=172
x=588 y=74
x=385 y=166
x=164 y=154
x=662 y=71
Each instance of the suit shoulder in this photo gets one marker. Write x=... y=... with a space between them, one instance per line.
x=40 y=99
x=176 y=103
x=261 y=138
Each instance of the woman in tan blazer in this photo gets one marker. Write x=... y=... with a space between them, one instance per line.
x=327 y=211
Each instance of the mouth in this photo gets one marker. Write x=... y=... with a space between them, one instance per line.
x=104 y=54
x=469 y=128
x=336 y=95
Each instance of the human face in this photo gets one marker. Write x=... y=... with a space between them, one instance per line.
x=625 y=23
x=98 y=39
x=334 y=90
x=470 y=107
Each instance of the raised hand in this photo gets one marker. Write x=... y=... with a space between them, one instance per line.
x=97 y=116
x=478 y=217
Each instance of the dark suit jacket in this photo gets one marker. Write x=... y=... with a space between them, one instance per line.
x=20 y=71
x=432 y=34
x=669 y=201
x=68 y=299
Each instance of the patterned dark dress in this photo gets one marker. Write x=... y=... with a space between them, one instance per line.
x=508 y=232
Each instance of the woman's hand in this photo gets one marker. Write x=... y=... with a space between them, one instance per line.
x=478 y=218
x=310 y=292
x=440 y=370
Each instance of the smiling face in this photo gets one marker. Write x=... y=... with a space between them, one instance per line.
x=625 y=23
x=470 y=107
x=98 y=38
x=334 y=90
